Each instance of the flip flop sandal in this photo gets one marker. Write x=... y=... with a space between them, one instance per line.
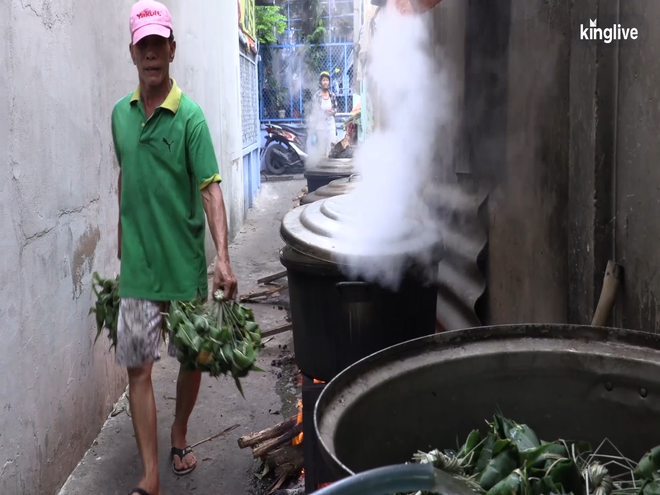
x=181 y=453
x=139 y=491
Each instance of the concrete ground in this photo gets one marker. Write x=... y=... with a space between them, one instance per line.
x=112 y=465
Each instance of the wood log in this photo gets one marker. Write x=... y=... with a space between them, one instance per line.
x=276 y=331
x=257 y=295
x=285 y=455
x=292 y=468
x=272 y=278
x=288 y=461
x=263 y=448
x=273 y=432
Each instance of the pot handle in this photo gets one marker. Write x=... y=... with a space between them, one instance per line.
x=354 y=291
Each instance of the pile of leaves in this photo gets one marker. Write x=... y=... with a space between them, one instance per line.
x=219 y=337
x=510 y=459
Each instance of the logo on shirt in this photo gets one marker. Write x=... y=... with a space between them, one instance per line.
x=169 y=145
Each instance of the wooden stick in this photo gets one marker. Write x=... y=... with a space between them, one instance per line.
x=272 y=278
x=224 y=432
x=289 y=459
x=613 y=274
x=285 y=454
x=278 y=483
x=264 y=448
x=272 y=432
x=256 y=295
x=277 y=331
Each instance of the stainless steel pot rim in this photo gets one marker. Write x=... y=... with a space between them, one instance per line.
x=613 y=343
x=333 y=164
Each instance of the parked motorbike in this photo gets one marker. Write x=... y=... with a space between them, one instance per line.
x=285 y=148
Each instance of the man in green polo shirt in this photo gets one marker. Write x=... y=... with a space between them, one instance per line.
x=168 y=183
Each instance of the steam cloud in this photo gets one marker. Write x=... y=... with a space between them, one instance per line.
x=315 y=121
x=397 y=160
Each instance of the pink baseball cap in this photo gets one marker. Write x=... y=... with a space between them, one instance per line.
x=149 y=17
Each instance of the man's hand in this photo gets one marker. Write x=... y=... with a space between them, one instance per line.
x=224 y=279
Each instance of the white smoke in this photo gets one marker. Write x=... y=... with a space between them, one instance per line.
x=315 y=120
x=397 y=161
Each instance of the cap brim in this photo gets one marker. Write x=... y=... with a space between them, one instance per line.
x=150 y=30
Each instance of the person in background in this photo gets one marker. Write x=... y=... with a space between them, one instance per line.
x=326 y=101
x=168 y=188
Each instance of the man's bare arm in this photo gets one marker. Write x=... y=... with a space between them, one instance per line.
x=119 y=223
x=214 y=206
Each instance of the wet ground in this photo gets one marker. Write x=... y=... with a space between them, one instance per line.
x=112 y=465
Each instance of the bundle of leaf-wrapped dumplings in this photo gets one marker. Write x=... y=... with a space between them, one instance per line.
x=510 y=459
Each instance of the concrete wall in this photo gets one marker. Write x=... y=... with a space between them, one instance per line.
x=64 y=66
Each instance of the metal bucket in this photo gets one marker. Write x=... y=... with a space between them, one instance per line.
x=564 y=381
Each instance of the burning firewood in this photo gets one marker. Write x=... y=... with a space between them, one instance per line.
x=279 y=447
x=269 y=433
x=264 y=448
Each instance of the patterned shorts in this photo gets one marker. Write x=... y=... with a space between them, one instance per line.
x=139 y=332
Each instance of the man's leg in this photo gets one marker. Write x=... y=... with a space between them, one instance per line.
x=187 y=388
x=138 y=347
x=143 y=414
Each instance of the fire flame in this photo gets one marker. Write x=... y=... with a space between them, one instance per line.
x=299 y=438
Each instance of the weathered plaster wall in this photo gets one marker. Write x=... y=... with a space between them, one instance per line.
x=64 y=65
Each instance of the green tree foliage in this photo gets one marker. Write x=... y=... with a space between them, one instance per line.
x=270 y=23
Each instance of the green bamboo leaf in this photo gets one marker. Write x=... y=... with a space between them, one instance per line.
x=500 y=445
x=523 y=437
x=649 y=464
x=502 y=426
x=513 y=484
x=239 y=386
x=499 y=467
x=543 y=486
x=566 y=473
x=486 y=453
x=529 y=457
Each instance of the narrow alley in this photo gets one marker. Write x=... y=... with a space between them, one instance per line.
x=428 y=226
x=112 y=465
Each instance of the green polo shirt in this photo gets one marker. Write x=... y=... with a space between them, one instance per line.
x=165 y=160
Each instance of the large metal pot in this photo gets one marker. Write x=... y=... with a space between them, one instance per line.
x=335 y=188
x=327 y=170
x=336 y=319
x=564 y=381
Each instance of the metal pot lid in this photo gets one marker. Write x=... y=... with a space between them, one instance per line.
x=321 y=230
x=331 y=166
x=337 y=187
